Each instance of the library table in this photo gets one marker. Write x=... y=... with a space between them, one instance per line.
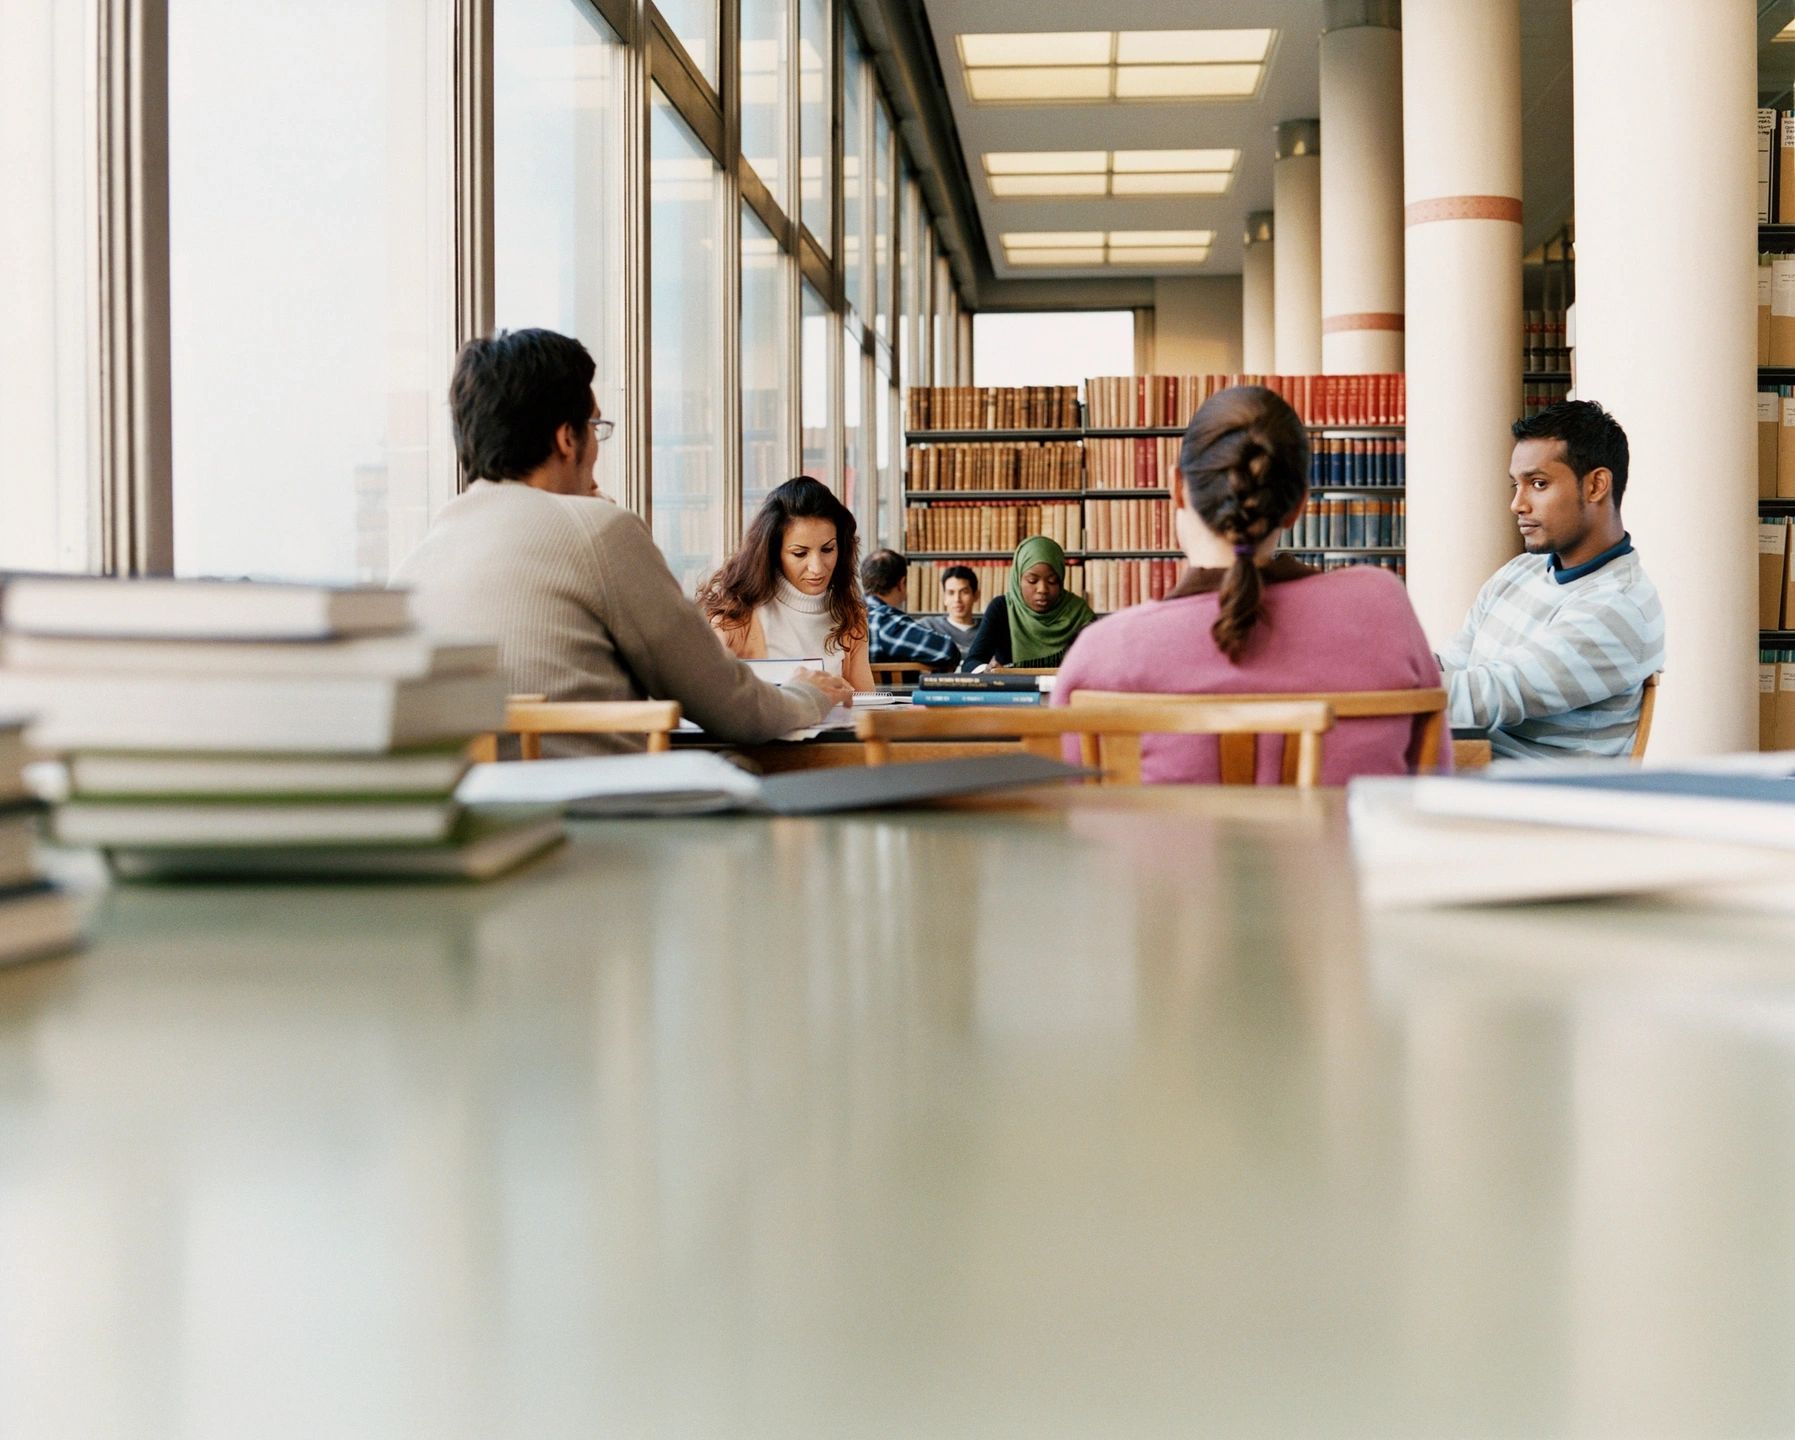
x=1083 y=1113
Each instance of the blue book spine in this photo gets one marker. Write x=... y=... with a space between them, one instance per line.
x=977 y=697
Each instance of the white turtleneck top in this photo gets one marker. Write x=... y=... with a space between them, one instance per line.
x=796 y=627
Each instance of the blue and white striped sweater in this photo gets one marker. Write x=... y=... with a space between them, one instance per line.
x=1554 y=670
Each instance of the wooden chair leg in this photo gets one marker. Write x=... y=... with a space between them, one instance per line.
x=1239 y=758
x=529 y=747
x=878 y=752
x=659 y=741
x=1308 y=761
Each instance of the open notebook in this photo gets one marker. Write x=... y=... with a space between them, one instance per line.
x=701 y=783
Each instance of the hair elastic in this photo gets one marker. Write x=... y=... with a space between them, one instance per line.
x=1246 y=547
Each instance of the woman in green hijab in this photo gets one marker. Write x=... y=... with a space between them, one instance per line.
x=1034 y=622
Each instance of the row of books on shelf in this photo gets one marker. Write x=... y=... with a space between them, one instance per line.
x=1776 y=578
x=1117 y=401
x=991 y=407
x=1349 y=521
x=1776 y=166
x=1545 y=346
x=1776 y=309
x=1152 y=464
x=242 y=728
x=999 y=465
x=998 y=525
x=1776 y=699
x=1776 y=442
x=1537 y=394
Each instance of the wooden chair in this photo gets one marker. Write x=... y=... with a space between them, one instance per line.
x=897 y=672
x=1648 y=699
x=530 y=717
x=1238 y=752
x=1110 y=735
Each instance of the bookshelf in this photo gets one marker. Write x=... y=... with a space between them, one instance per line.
x=1358 y=484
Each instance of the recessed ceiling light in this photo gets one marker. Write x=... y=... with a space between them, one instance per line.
x=1089 y=47
x=1159 y=255
x=1056 y=82
x=1172 y=184
x=1195 y=47
x=1161 y=237
x=1115 y=65
x=1186 y=82
x=1046 y=162
x=1092 y=256
x=1049 y=239
x=1007 y=187
x=1174 y=160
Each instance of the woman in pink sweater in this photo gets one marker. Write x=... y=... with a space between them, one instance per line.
x=1245 y=620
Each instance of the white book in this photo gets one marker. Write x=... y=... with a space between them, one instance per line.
x=37 y=923
x=325 y=715
x=402 y=655
x=198 y=609
x=114 y=774
x=107 y=824
x=484 y=845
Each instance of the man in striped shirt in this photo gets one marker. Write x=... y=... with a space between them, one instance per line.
x=1553 y=658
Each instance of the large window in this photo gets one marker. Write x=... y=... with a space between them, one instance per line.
x=816 y=94
x=695 y=23
x=45 y=224
x=311 y=310
x=558 y=205
x=816 y=393
x=883 y=243
x=856 y=281
x=853 y=439
x=766 y=367
x=1059 y=347
x=686 y=316
x=766 y=54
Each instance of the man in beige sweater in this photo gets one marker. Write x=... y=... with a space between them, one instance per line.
x=572 y=586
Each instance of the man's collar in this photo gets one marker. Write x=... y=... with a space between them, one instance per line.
x=1588 y=567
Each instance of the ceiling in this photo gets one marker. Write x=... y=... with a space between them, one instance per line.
x=1289 y=91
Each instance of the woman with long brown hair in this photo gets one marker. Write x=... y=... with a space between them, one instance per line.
x=788 y=592
x=1245 y=619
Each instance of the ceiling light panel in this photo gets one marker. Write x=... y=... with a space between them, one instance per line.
x=1069 y=66
x=1010 y=187
x=1192 y=47
x=1048 y=239
x=1080 y=249
x=1172 y=184
x=1160 y=237
x=1159 y=255
x=1092 y=256
x=1046 y=162
x=1187 y=82
x=1088 y=47
x=1050 y=82
x=1126 y=160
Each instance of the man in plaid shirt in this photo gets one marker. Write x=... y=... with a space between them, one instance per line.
x=894 y=637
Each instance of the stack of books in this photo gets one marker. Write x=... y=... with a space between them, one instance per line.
x=37 y=919
x=994 y=688
x=250 y=728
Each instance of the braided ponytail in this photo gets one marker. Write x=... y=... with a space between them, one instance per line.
x=1245 y=464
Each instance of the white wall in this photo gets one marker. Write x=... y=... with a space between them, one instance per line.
x=1196 y=325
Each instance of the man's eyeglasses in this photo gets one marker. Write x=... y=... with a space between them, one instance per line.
x=602 y=428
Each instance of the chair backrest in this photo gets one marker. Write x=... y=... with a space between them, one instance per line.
x=896 y=672
x=1109 y=735
x=1239 y=752
x=530 y=717
x=1648 y=699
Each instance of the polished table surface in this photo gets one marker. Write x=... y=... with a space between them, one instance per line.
x=1103 y=1115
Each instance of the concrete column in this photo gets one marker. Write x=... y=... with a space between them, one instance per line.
x=1665 y=330
x=1461 y=123
x=1361 y=187
x=1296 y=283
x=1258 y=331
